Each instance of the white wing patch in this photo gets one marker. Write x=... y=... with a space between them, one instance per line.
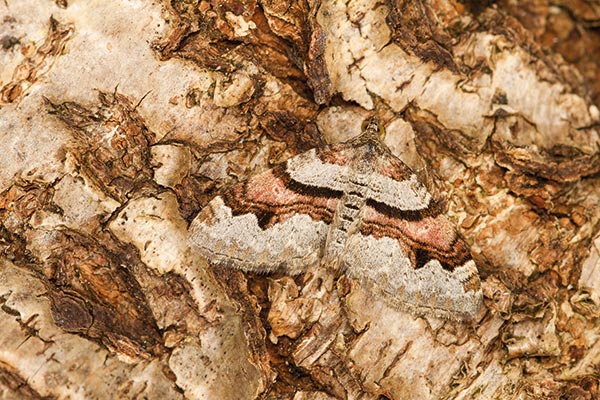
x=308 y=169
x=384 y=267
x=405 y=195
x=238 y=240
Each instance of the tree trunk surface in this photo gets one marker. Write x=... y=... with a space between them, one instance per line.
x=121 y=120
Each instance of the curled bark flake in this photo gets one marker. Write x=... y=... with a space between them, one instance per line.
x=112 y=143
x=38 y=61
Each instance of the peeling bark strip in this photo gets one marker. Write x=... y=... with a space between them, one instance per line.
x=93 y=292
x=273 y=38
x=88 y=279
x=327 y=204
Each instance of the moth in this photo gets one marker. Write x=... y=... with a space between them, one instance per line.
x=353 y=207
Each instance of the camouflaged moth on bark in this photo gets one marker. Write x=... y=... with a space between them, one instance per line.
x=354 y=207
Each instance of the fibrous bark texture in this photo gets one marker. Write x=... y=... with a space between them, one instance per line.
x=120 y=120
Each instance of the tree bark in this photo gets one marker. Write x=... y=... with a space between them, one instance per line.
x=119 y=121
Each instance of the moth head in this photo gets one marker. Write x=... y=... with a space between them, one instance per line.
x=373 y=126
